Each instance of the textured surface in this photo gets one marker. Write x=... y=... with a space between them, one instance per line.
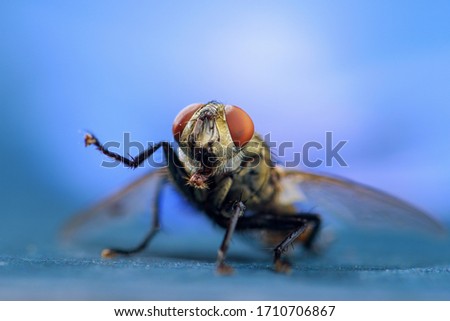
x=355 y=268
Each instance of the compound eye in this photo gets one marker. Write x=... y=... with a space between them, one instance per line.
x=182 y=119
x=240 y=125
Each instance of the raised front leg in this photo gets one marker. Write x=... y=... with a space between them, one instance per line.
x=134 y=162
x=177 y=172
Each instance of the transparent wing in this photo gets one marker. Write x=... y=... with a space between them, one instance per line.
x=135 y=198
x=355 y=203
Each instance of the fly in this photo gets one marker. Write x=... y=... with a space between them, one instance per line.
x=224 y=168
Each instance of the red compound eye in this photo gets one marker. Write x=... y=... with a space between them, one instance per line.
x=240 y=125
x=182 y=119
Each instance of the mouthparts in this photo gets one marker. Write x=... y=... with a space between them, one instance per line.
x=199 y=179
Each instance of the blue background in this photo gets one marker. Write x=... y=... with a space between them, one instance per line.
x=376 y=74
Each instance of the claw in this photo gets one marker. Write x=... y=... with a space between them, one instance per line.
x=281 y=266
x=224 y=269
x=89 y=140
x=108 y=254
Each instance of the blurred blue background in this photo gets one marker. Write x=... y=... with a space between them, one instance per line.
x=374 y=73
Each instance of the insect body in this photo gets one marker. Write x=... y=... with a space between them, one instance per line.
x=225 y=169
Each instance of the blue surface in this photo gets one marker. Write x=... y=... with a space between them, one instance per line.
x=356 y=267
x=373 y=73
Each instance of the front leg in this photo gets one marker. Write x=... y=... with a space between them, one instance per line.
x=134 y=162
x=238 y=209
x=176 y=172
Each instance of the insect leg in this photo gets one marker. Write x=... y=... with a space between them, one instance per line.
x=134 y=162
x=176 y=170
x=154 y=229
x=303 y=226
x=281 y=265
x=237 y=211
x=311 y=234
x=177 y=173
